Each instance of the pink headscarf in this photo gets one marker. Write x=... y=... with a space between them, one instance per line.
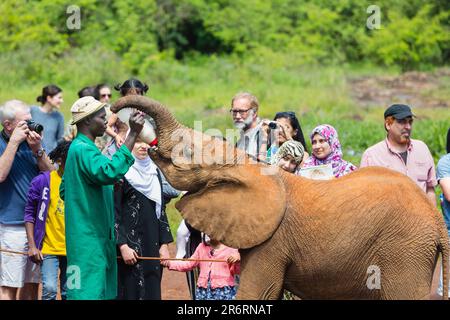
x=339 y=165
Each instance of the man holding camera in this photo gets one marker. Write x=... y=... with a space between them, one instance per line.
x=21 y=159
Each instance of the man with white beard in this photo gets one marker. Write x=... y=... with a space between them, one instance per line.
x=253 y=140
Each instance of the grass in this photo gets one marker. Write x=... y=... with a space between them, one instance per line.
x=202 y=90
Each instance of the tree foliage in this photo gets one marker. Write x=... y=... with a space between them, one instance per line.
x=413 y=34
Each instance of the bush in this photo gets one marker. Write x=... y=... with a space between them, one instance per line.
x=411 y=43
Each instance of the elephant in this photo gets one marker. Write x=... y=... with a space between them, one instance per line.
x=371 y=234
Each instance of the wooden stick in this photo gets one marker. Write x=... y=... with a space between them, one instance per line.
x=15 y=252
x=139 y=258
x=178 y=259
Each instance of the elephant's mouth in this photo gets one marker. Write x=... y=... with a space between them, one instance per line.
x=195 y=191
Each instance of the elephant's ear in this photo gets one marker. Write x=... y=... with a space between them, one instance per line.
x=242 y=208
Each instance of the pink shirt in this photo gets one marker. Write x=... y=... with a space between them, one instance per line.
x=419 y=167
x=221 y=273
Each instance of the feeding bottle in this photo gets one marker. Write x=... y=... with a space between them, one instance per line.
x=148 y=134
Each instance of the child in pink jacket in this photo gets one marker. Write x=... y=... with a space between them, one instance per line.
x=216 y=279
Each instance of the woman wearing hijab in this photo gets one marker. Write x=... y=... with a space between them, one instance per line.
x=326 y=149
x=289 y=156
x=141 y=227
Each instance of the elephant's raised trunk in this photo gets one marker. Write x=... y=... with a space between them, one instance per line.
x=165 y=121
x=204 y=154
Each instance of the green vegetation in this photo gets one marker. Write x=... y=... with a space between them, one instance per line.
x=143 y=32
x=196 y=54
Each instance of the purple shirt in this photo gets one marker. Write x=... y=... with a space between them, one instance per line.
x=36 y=209
x=419 y=166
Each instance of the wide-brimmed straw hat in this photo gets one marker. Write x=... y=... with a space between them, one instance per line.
x=84 y=107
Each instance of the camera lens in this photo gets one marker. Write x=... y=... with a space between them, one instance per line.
x=39 y=128
x=273 y=125
x=33 y=126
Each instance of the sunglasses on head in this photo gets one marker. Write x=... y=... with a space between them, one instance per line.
x=289 y=113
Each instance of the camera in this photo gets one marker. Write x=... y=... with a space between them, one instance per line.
x=273 y=125
x=34 y=126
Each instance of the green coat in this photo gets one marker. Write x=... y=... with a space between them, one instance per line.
x=87 y=191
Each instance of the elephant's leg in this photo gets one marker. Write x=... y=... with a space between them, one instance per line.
x=262 y=275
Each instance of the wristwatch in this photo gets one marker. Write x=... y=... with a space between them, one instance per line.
x=39 y=153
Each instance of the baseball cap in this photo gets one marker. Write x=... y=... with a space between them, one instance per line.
x=84 y=107
x=398 y=111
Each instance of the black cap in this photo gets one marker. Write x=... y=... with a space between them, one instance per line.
x=398 y=111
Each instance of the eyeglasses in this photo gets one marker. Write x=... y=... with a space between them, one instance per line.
x=106 y=95
x=241 y=112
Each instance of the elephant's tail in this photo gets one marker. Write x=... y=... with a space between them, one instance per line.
x=443 y=247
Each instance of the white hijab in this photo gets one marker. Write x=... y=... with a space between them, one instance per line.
x=143 y=176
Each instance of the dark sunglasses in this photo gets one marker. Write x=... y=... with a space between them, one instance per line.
x=106 y=95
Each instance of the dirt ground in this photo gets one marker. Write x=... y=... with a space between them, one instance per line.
x=173 y=285
x=418 y=89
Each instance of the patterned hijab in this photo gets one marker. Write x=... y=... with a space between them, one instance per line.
x=339 y=165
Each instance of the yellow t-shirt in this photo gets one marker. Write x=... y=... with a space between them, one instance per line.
x=54 y=239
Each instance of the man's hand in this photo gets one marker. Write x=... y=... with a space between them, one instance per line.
x=265 y=129
x=129 y=255
x=35 y=255
x=136 y=122
x=20 y=133
x=34 y=141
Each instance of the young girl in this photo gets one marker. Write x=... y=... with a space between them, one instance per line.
x=188 y=239
x=289 y=156
x=216 y=279
x=45 y=227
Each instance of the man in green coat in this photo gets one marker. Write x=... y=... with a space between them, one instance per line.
x=87 y=190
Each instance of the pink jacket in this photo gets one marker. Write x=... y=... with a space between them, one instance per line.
x=222 y=273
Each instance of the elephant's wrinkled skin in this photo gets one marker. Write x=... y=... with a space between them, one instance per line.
x=317 y=239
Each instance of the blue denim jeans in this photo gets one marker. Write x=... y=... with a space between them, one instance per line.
x=49 y=272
